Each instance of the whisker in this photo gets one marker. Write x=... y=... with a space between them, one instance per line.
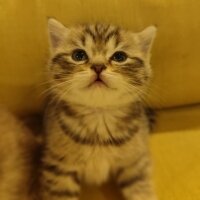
x=55 y=86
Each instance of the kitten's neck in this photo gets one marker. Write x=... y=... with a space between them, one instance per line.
x=131 y=109
x=103 y=125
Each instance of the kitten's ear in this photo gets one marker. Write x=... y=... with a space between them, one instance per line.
x=146 y=38
x=56 y=32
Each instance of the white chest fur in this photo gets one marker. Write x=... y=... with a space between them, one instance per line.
x=97 y=167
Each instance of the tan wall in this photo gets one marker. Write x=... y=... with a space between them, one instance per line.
x=24 y=49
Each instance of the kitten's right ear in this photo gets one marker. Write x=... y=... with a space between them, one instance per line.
x=56 y=32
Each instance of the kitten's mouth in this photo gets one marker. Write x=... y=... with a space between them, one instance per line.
x=98 y=82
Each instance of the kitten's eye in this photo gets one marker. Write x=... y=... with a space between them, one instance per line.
x=119 y=56
x=79 y=55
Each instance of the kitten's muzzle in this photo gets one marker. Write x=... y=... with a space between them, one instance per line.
x=98 y=68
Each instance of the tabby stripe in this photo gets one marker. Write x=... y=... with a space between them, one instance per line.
x=151 y=115
x=139 y=177
x=98 y=32
x=50 y=181
x=61 y=193
x=67 y=109
x=110 y=134
x=88 y=141
x=83 y=40
x=89 y=32
x=55 y=156
x=112 y=34
x=137 y=81
x=54 y=169
x=139 y=61
x=101 y=30
x=60 y=60
x=59 y=56
x=131 y=181
x=135 y=112
x=59 y=172
x=117 y=41
x=132 y=165
x=59 y=76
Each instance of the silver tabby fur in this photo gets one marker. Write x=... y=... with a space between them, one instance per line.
x=97 y=130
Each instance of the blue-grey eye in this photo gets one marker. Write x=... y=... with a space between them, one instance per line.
x=79 y=55
x=119 y=56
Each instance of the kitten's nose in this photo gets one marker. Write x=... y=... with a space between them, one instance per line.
x=98 y=68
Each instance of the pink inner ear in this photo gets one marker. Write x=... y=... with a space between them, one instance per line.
x=56 y=32
x=146 y=38
x=54 y=40
x=145 y=45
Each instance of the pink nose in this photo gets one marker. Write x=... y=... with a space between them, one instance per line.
x=98 y=68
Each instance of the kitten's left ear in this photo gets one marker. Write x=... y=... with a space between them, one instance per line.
x=57 y=32
x=146 y=38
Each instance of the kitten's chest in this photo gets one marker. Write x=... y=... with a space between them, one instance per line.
x=97 y=165
x=99 y=124
x=98 y=127
x=92 y=141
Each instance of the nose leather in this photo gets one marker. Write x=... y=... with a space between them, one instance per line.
x=98 y=68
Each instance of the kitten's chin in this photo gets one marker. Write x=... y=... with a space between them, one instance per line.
x=99 y=96
x=97 y=84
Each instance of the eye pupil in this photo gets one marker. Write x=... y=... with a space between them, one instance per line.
x=119 y=56
x=79 y=55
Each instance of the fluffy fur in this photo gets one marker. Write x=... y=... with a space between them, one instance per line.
x=96 y=125
x=17 y=147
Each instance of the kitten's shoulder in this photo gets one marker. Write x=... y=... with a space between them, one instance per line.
x=151 y=116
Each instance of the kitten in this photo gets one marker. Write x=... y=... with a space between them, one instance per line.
x=96 y=125
x=17 y=147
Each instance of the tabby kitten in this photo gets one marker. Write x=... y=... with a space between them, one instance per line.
x=96 y=126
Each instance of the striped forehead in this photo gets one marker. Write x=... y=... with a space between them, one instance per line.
x=99 y=38
x=102 y=33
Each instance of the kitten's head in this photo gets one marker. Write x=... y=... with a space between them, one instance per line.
x=99 y=65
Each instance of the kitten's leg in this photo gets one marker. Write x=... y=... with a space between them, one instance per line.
x=135 y=181
x=58 y=183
